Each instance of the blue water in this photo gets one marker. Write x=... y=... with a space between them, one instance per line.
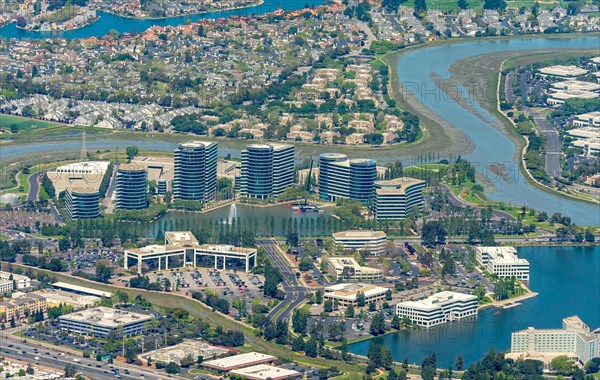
x=109 y=21
x=568 y=282
x=492 y=146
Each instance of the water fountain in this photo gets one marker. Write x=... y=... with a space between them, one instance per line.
x=232 y=213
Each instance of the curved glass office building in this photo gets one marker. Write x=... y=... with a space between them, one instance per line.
x=340 y=177
x=81 y=203
x=267 y=170
x=195 y=171
x=132 y=187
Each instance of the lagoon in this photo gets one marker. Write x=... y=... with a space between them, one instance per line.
x=568 y=282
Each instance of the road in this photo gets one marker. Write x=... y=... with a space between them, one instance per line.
x=553 y=146
x=295 y=293
x=34 y=186
x=48 y=357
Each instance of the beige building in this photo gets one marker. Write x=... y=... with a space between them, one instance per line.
x=22 y=307
x=346 y=294
x=369 y=241
x=347 y=268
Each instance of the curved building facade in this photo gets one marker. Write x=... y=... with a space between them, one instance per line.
x=395 y=198
x=132 y=187
x=340 y=177
x=195 y=171
x=81 y=203
x=267 y=170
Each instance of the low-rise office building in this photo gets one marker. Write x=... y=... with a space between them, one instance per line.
x=562 y=71
x=590 y=119
x=346 y=294
x=346 y=268
x=102 y=321
x=6 y=286
x=575 y=340
x=438 y=309
x=266 y=372
x=395 y=198
x=239 y=361
x=82 y=203
x=182 y=249
x=56 y=298
x=372 y=242
x=22 y=282
x=503 y=262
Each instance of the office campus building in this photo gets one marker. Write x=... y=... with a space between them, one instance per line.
x=372 y=242
x=439 y=308
x=195 y=174
x=395 y=198
x=574 y=340
x=82 y=203
x=182 y=249
x=346 y=268
x=21 y=307
x=132 y=187
x=102 y=321
x=267 y=170
x=340 y=177
x=22 y=282
x=503 y=262
x=346 y=294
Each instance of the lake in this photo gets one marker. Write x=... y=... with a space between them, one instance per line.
x=568 y=282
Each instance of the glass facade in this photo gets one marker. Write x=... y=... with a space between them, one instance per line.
x=132 y=187
x=340 y=177
x=195 y=174
x=81 y=204
x=267 y=170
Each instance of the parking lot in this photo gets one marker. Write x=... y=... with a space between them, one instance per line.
x=229 y=284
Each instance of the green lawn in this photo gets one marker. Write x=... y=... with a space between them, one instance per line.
x=3 y=237
x=24 y=124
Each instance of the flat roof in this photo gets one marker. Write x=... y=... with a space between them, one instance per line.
x=106 y=317
x=434 y=301
x=502 y=255
x=340 y=262
x=561 y=70
x=358 y=234
x=82 y=190
x=264 y=372
x=85 y=166
x=81 y=289
x=180 y=237
x=396 y=185
x=131 y=167
x=15 y=276
x=196 y=144
x=349 y=291
x=239 y=361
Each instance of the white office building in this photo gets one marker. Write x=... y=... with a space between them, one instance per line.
x=266 y=171
x=6 y=286
x=372 y=242
x=438 y=309
x=590 y=119
x=102 y=321
x=395 y=198
x=22 y=282
x=503 y=262
x=575 y=340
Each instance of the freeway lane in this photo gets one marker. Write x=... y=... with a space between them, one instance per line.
x=48 y=357
x=295 y=293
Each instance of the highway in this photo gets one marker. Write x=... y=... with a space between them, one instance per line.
x=14 y=348
x=295 y=293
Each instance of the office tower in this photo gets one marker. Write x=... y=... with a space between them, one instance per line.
x=132 y=187
x=267 y=170
x=395 y=198
x=340 y=177
x=195 y=175
x=81 y=203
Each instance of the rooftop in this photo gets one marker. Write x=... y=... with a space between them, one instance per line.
x=84 y=167
x=359 y=234
x=396 y=185
x=196 y=144
x=180 y=237
x=502 y=255
x=351 y=290
x=264 y=372
x=239 y=361
x=106 y=317
x=81 y=289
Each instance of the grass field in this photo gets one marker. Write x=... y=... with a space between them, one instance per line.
x=24 y=124
x=33 y=128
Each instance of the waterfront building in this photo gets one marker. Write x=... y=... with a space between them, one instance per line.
x=21 y=307
x=22 y=282
x=562 y=71
x=503 y=262
x=340 y=177
x=372 y=242
x=102 y=321
x=346 y=268
x=195 y=174
x=182 y=249
x=575 y=340
x=267 y=170
x=395 y=198
x=132 y=187
x=82 y=203
x=346 y=294
x=438 y=308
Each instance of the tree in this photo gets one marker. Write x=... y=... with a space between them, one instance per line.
x=378 y=324
x=459 y=363
x=395 y=322
x=103 y=273
x=360 y=299
x=172 y=368
x=70 y=371
x=132 y=151
x=494 y=4
x=292 y=239
x=300 y=321
x=328 y=306
x=463 y=4
x=349 y=311
x=311 y=348
x=420 y=7
x=562 y=365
